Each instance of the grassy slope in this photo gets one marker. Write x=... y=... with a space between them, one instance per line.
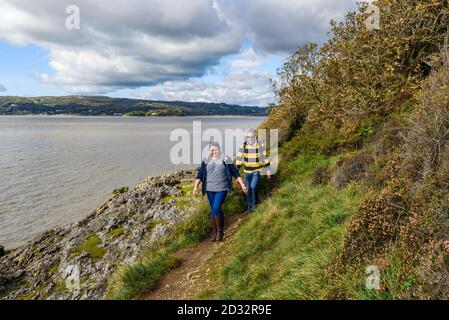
x=283 y=249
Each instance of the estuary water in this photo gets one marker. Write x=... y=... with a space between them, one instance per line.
x=54 y=170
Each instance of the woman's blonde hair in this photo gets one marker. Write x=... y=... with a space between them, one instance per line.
x=214 y=144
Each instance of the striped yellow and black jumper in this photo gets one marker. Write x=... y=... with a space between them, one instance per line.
x=253 y=158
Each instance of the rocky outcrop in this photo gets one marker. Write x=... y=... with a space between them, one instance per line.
x=77 y=261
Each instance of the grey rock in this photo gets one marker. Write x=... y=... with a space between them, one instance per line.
x=18 y=274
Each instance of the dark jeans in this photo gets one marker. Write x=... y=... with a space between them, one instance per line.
x=251 y=181
x=216 y=200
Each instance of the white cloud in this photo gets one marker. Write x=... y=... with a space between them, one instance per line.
x=247 y=59
x=122 y=44
x=248 y=88
x=2 y=88
x=142 y=43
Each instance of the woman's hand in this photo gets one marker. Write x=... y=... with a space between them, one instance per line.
x=242 y=185
x=268 y=174
x=195 y=187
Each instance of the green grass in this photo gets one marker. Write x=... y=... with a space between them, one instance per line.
x=119 y=191
x=168 y=198
x=154 y=223
x=138 y=278
x=396 y=279
x=282 y=250
x=92 y=246
x=116 y=232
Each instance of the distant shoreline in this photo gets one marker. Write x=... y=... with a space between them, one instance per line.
x=107 y=106
x=63 y=115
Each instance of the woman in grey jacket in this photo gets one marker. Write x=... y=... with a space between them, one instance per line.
x=215 y=174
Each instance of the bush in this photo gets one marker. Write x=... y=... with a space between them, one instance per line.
x=427 y=234
x=429 y=126
x=404 y=227
x=321 y=175
x=349 y=169
x=377 y=223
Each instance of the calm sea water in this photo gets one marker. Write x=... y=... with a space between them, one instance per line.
x=55 y=169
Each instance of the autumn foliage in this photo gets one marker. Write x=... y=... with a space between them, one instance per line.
x=379 y=99
x=360 y=73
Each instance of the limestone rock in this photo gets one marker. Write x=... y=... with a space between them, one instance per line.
x=77 y=261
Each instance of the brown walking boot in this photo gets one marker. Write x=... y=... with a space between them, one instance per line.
x=214 y=229
x=220 y=227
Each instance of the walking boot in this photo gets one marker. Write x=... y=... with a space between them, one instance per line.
x=214 y=229
x=220 y=227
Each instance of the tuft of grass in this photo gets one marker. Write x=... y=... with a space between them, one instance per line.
x=321 y=175
x=396 y=279
x=137 y=279
x=115 y=233
x=154 y=223
x=119 y=191
x=168 y=198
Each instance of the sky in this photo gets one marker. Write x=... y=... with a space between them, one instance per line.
x=190 y=50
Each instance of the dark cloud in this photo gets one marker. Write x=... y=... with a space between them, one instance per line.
x=281 y=26
x=2 y=88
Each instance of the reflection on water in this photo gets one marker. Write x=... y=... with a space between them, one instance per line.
x=55 y=170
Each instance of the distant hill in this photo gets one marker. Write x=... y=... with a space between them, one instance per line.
x=101 y=105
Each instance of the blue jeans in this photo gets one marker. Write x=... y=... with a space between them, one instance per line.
x=251 y=181
x=216 y=200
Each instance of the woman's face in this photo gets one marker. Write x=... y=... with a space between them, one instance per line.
x=251 y=138
x=214 y=152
